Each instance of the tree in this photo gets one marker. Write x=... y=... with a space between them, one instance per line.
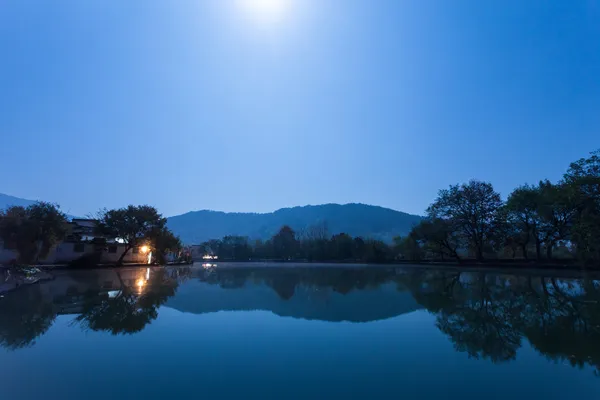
x=135 y=225
x=341 y=247
x=471 y=210
x=439 y=237
x=261 y=250
x=408 y=247
x=34 y=230
x=376 y=251
x=165 y=242
x=556 y=209
x=211 y=247
x=235 y=248
x=583 y=178
x=358 y=248
x=314 y=242
x=285 y=244
x=522 y=209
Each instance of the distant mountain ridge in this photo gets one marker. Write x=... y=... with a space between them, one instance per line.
x=8 y=201
x=362 y=220
x=355 y=219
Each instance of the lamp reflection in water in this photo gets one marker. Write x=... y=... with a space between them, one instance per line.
x=143 y=281
x=140 y=283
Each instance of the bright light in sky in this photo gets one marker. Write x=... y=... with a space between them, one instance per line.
x=265 y=10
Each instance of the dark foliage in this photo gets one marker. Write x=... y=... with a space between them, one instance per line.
x=32 y=231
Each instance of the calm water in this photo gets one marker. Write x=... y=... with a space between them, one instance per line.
x=310 y=333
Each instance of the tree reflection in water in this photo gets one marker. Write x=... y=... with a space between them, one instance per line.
x=131 y=308
x=486 y=315
x=284 y=281
x=24 y=316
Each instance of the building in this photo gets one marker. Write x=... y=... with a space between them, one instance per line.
x=82 y=240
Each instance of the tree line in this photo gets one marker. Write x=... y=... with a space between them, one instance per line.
x=311 y=244
x=471 y=220
x=35 y=230
x=466 y=221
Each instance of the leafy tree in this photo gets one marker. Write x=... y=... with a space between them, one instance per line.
x=408 y=247
x=261 y=250
x=34 y=230
x=212 y=246
x=359 y=248
x=583 y=178
x=522 y=209
x=136 y=225
x=557 y=209
x=19 y=232
x=440 y=237
x=235 y=248
x=285 y=244
x=341 y=247
x=165 y=242
x=471 y=210
x=377 y=251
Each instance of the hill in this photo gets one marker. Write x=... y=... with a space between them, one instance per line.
x=7 y=201
x=354 y=219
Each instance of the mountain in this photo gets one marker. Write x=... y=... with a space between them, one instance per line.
x=354 y=219
x=7 y=201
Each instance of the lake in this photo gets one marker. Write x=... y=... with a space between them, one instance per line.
x=282 y=332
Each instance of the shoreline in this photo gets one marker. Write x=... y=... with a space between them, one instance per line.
x=12 y=278
x=498 y=264
x=561 y=265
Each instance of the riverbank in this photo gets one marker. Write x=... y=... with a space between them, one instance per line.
x=497 y=264
x=15 y=277
x=564 y=264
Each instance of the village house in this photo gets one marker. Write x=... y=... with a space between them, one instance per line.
x=82 y=240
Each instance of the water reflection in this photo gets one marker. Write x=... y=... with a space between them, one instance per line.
x=129 y=309
x=117 y=301
x=486 y=315
x=24 y=316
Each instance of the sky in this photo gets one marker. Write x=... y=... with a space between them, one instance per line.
x=254 y=105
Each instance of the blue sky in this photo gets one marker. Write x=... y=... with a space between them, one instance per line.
x=207 y=105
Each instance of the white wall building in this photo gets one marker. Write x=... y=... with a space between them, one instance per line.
x=81 y=240
x=67 y=252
